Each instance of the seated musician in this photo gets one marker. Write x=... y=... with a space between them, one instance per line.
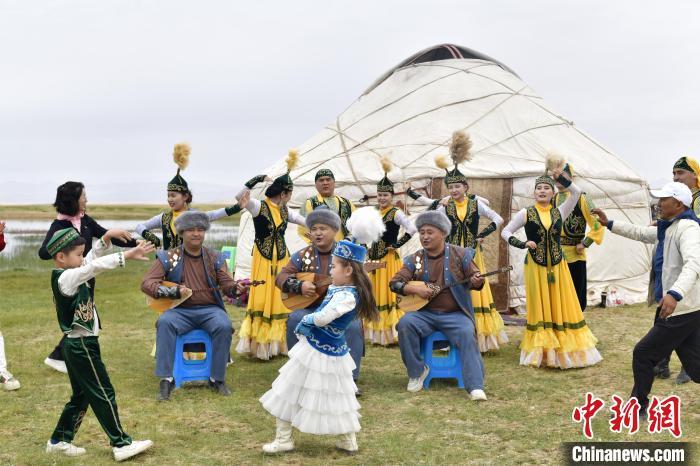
x=203 y=271
x=449 y=312
x=323 y=225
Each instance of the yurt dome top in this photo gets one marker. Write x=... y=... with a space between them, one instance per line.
x=437 y=53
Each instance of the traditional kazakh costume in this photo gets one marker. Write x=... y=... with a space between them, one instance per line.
x=386 y=250
x=338 y=204
x=556 y=334
x=264 y=327
x=573 y=233
x=165 y=221
x=691 y=165
x=464 y=216
x=314 y=391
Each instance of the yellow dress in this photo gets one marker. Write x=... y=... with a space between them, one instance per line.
x=556 y=334
x=383 y=331
x=263 y=331
x=489 y=323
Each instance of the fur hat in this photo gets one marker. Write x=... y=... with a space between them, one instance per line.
x=436 y=219
x=322 y=214
x=191 y=219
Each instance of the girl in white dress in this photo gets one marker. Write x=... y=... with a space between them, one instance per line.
x=314 y=391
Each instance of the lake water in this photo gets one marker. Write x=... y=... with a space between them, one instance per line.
x=24 y=237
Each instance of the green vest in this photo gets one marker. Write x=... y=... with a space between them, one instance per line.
x=78 y=310
x=344 y=210
x=547 y=241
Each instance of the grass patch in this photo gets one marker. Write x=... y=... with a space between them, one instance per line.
x=527 y=416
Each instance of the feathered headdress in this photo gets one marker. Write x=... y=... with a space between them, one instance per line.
x=385 y=185
x=460 y=152
x=441 y=161
x=284 y=182
x=292 y=159
x=460 y=148
x=366 y=227
x=181 y=157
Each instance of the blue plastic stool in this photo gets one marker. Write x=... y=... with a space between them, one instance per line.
x=441 y=367
x=188 y=370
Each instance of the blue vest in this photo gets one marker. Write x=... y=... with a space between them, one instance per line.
x=330 y=339
x=173 y=269
x=460 y=293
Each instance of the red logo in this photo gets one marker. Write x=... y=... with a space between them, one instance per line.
x=665 y=415
x=625 y=416
x=587 y=412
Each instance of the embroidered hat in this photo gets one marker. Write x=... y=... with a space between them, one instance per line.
x=350 y=251
x=181 y=157
x=61 y=239
x=546 y=179
x=284 y=182
x=385 y=185
x=691 y=165
x=324 y=172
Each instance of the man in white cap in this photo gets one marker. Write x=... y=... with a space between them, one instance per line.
x=676 y=272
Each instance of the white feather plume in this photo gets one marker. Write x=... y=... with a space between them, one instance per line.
x=366 y=225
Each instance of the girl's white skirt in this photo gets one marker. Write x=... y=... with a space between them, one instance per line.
x=315 y=392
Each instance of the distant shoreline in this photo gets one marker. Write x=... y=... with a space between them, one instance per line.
x=99 y=211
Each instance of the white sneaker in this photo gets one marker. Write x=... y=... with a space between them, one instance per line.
x=57 y=365
x=8 y=382
x=128 y=451
x=64 y=448
x=416 y=385
x=477 y=395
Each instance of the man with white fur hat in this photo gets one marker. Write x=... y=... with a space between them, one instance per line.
x=200 y=270
x=449 y=310
x=323 y=225
x=676 y=285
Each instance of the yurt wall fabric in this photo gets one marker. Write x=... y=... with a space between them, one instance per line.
x=411 y=116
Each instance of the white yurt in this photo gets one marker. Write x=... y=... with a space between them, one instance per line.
x=410 y=113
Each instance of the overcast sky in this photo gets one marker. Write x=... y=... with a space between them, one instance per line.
x=99 y=91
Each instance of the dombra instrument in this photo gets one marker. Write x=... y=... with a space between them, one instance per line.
x=294 y=302
x=160 y=305
x=414 y=302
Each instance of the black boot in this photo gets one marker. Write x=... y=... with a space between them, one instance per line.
x=220 y=388
x=661 y=370
x=166 y=387
x=683 y=377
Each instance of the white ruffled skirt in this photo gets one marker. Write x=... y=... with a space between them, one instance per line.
x=315 y=392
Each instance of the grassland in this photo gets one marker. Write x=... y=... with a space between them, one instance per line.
x=525 y=420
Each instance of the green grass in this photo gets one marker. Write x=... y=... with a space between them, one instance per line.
x=527 y=417
x=101 y=211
